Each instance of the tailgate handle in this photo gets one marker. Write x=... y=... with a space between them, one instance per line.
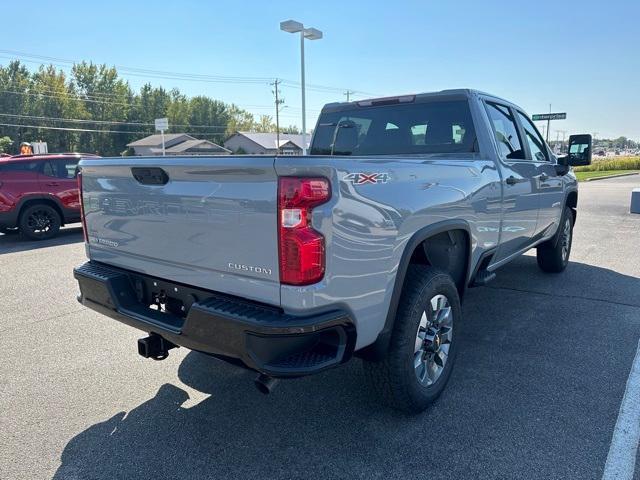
x=150 y=175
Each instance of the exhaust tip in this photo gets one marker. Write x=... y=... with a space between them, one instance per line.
x=265 y=384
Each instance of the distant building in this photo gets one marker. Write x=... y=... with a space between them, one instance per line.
x=176 y=144
x=264 y=143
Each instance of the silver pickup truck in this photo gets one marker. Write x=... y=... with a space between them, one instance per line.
x=291 y=265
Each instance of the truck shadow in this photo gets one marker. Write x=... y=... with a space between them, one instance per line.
x=14 y=242
x=331 y=425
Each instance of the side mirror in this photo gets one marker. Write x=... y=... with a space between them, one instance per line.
x=579 y=150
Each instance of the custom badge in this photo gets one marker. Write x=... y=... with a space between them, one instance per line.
x=366 y=178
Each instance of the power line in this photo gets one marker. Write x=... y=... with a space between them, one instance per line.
x=143 y=72
x=66 y=63
x=129 y=105
x=104 y=122
x=69 y=97
x=68 y=129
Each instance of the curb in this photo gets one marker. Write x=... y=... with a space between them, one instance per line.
x=593 y=179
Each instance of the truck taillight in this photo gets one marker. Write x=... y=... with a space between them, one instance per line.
x=81 y=200
x=302 y=254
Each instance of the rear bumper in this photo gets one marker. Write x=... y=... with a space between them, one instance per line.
x=262 y=337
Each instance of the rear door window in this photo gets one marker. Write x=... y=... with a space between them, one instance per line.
x=67 y=168
x=61 y=168
x=506 y=131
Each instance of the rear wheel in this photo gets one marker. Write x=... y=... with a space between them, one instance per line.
x=40 y=222
x=422 y=347
x=553 y=257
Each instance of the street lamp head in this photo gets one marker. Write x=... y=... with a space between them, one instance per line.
x=312 y=34
x=291 y=26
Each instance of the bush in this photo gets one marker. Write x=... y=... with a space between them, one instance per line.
x=622 y=163
x=5 y=144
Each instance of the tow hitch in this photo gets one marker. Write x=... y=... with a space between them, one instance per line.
x=155 y=347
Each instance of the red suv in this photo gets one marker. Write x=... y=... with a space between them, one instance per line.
x=39 y=193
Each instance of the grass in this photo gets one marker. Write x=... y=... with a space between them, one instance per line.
x=582 y=175
x=621 y=163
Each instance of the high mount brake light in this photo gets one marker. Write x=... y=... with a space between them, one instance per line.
x=81 y=200
x=302 y=252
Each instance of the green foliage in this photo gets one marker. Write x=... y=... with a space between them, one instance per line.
x=290 y=129
x=106 y=102
x=5 y=144
x=621 y=163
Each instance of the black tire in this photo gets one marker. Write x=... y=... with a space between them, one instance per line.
x=396 y=377
x=39 y=222
x=9 y=231
x=553 y=256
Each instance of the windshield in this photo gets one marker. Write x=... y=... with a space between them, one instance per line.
x=423 y=127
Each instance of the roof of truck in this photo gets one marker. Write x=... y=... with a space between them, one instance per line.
x=458 y=92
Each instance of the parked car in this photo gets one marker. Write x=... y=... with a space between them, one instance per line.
x=39 y=193
x=291 y=265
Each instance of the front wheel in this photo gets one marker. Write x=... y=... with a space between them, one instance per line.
x=422 y=347
x=553 y=257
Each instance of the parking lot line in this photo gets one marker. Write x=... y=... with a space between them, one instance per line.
x=621 y=459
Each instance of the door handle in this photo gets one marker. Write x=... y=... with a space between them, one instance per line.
x=544 y=177
x=512 y=180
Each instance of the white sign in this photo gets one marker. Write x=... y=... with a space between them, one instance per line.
x=162 y=124
x=40 y=147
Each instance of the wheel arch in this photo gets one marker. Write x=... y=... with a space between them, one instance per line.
x=416 y=251
x=35 y=200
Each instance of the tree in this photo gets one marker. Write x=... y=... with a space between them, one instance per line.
x=106 y=98
x=93 y=110
x=209 y=118
x=240 y=120
x=265 y=124
x=5 y=144
x=15 y=82
x=290 y=129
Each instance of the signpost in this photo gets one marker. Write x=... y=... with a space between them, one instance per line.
x=162 y=124
x=538 y=117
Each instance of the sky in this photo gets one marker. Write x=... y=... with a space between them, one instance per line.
x=580 y=56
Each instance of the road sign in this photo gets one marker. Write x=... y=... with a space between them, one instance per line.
x=162 y=124
x=549 y=116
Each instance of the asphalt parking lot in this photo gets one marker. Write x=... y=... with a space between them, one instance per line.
x=536 y=392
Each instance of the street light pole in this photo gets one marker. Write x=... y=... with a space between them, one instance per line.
x=291 y=26
x=304 y=99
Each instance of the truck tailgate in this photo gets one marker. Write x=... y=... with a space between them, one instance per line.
x=209 y=222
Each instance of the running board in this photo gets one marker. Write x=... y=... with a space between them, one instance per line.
x=482 y=278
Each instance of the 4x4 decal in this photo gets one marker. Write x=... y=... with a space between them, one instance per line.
x=365 y=178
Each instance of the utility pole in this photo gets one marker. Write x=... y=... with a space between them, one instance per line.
x=279 y=101
x=548 y=125
x=563 y=132
x=348 y=94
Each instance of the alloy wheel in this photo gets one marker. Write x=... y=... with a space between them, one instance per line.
x=40 y=222
x=566 y=239
x=433 y=340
